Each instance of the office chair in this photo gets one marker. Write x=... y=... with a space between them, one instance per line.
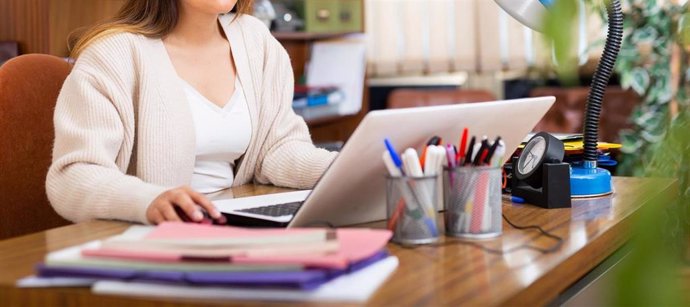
x=409 y=98
x=567 y=114
x=29 y=86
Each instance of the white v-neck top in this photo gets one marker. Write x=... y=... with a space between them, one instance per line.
x=222 y=137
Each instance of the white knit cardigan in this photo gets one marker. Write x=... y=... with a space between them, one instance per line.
x=124 y=132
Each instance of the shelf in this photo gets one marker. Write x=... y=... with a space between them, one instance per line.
x=448 y=79
x=307 y=36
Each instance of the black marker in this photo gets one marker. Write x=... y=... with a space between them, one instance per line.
x=470 y=148
x=477 y=158
x=492 y=150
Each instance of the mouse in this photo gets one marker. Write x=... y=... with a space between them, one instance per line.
x=207 y=220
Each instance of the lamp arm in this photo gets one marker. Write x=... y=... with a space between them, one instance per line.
x=600 y=81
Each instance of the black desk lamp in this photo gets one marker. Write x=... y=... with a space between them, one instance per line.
x=586 y=179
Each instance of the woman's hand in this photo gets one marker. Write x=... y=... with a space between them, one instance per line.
x=191 y=203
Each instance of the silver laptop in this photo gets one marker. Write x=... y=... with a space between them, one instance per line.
x=352 y=190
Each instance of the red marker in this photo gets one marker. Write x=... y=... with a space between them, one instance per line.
x=460 y=157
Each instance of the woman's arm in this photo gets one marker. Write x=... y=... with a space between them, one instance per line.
x=289 y=156
x=84 y=181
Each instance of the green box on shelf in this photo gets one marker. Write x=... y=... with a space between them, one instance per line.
x=328 y=16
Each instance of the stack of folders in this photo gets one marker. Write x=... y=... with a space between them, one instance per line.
x=317 y=101
x=574 y=149
x=207 y=261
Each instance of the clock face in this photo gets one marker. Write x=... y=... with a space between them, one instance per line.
x=532 y=156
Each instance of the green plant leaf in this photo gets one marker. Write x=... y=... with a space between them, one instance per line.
x=639 y=80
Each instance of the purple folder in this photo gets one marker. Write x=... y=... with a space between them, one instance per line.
x=306 y=280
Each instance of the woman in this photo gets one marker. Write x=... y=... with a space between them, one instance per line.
x=170 y=100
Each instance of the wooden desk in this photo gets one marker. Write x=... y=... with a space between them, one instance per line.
x=450 y=274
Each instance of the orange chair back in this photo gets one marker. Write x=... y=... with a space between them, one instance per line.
x=29 y=87
x=410 y=98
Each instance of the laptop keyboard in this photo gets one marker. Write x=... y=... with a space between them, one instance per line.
x=274 y=210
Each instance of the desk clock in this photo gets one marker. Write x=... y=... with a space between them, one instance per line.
x=540 y=176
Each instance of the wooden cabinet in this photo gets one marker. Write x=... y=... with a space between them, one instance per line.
x=66 y=16
x=43 y=26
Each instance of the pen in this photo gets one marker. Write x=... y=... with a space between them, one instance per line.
x=492 y=150
x=411 y=163
x=463 y=146
x=497 y=158
x=434 y=140
x=480 y=204
x=426 y=159
x=394 y=155
x=450 y=155
x=393 y=170
x=482 y=157
x=477 y=157
x=436 y=156
x=470 y=149
x=396 y=215
x=517 y=200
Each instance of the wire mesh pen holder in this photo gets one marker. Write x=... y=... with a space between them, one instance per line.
x=411 y=209
x=473 y=202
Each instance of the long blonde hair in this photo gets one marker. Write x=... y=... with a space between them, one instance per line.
x=152 y=18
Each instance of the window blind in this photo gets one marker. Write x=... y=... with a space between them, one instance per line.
x=417 y=37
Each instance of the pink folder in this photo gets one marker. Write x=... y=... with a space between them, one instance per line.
x=355 y=245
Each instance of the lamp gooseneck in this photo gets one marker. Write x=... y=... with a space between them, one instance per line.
x=600 y=81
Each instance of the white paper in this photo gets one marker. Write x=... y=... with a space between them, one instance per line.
x=42 y=282
x=73 y=253
x=229 y=205
x=341 y=63
x=357 y=287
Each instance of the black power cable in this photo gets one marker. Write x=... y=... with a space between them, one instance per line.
x=555 y=247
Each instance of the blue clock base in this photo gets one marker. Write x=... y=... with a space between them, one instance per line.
x=586 y=180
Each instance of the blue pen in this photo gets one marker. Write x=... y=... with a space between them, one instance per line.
x=517 y=199
x=394 y=155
